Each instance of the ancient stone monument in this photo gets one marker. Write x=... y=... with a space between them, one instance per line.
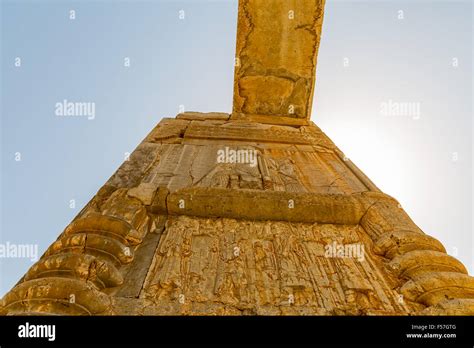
x=252 y=213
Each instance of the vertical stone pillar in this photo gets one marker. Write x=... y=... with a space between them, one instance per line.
x=277 y=46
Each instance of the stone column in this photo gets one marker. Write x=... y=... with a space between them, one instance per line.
x=277 y=46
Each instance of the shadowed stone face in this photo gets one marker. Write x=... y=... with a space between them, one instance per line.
x=277 y=44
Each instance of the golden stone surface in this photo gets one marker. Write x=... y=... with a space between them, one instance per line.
x=277 y=46
x=288 y=226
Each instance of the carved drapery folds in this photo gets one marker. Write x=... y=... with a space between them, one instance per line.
x=72 y=277
x=428 y=275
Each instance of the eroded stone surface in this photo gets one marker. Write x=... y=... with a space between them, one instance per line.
x=258 y=213
x=277 y=45
x=175 y=232
x=269 y=268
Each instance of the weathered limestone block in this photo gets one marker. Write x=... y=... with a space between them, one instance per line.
x=56 y=295
x=385 y=217
x=168 y=131
x=108 y=226
x=315 y=168
x=272 y=205
x=417 y=262
x=105 y=248
x=203 y=116
x=248 y=132
x=294 y=229
x=396 y=243
x=80 y=266
x=227 y=266
x=129 y=213
x=86 y=258
x=144 y=192
x=135 y=272
x=426 y=273
x=432 y=288
x=135 y=167
x=277 y=44
x=463 y=306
